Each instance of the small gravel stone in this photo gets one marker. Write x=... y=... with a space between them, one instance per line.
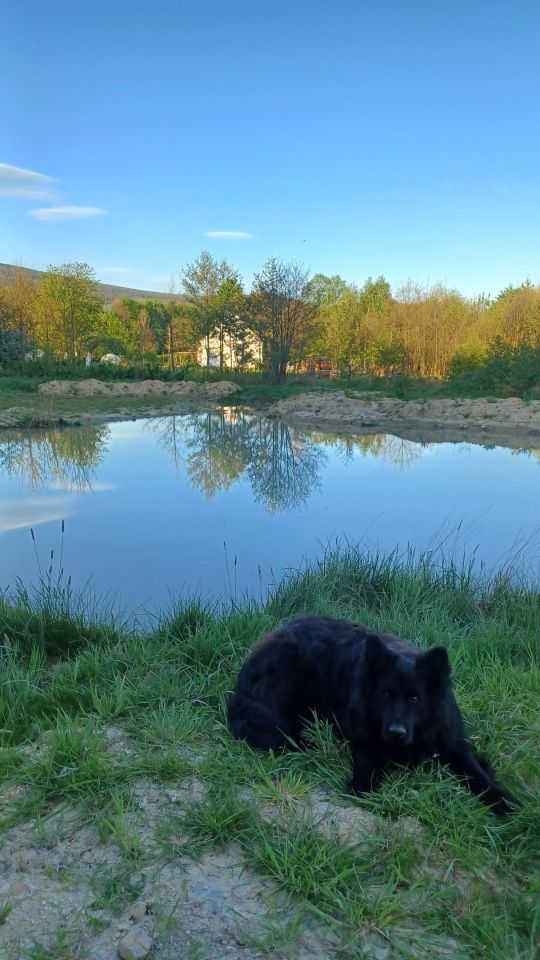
x=136 y=945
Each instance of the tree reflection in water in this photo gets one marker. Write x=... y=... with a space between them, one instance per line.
x=285 y=465
x=398 y=451
x=67 y=458
x=282 y=464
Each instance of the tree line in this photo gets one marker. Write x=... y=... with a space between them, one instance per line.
x=286 y=317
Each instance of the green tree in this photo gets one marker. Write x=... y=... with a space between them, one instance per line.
x=229 y=310
x=69 y=308
x=357 y=329
x=324 y=290
x=283 y=313
x=145 y=334
x=201 y=281
x=375 y=335
x=113 y=324
x=342 y=320
x=516 y=314
x=17 y=315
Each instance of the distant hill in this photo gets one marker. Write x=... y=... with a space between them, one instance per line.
x=109 y=291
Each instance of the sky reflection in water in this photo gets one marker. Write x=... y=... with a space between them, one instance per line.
x=223 y=503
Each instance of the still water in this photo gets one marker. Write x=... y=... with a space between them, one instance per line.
x=222 y=504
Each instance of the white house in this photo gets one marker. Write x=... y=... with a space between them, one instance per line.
x=245 y=352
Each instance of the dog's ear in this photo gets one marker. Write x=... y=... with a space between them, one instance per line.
x=376 y=653
x=435 y=663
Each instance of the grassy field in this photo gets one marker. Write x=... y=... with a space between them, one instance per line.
x=125 y=802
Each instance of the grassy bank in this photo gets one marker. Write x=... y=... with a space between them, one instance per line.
x=21 y=403
x=34 y=409
x=122 y=787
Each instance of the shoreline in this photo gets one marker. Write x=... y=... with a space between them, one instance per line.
x=512 y=422
x=60 y=418
x=425 y=432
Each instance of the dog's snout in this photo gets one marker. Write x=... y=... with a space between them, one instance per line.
x=397 y=731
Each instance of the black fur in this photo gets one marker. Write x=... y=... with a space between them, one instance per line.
x=390 y=700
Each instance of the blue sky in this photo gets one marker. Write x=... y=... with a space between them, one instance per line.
x=359 y=138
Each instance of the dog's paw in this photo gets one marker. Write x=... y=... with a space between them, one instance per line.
x=355 y=789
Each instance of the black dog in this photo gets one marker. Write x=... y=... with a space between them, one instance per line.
x=391 y=701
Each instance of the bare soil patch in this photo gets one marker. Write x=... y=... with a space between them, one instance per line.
x=142 y=388
x=72 y=894
x=512 y=421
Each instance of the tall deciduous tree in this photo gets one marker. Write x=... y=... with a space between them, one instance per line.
x=147 y=340
x=229 y=314
x=374 y=333
x=283 y=312
x=341 y=321
x=201 y=281
x=516 y=314
x=69 y=308
x=324 y=290
x=17 y=315
x=170 y=326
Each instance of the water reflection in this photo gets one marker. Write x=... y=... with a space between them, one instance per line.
x=398 y=451
x=66 y=459
x=175 y=489
x=282 y=464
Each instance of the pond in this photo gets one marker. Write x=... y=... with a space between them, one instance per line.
x=223 y=503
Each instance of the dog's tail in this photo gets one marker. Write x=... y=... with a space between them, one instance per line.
x=261 y=725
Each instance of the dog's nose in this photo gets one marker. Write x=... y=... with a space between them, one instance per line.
x=397 y=731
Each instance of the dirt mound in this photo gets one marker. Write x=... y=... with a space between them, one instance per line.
x=338 y=409
x=142 y=388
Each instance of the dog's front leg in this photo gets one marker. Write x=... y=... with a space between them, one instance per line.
x=464 y=763
x=367 y=768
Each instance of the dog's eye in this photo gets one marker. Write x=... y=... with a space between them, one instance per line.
x=414 y=699
x=386 y=693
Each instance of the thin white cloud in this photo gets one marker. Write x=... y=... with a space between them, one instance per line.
x=17 y=514
x=115 y=271
x=65 y=213
x=93 y=486
x=27 y=184
x=229 y=234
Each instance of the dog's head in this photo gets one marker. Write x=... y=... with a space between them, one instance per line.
x=402 y=689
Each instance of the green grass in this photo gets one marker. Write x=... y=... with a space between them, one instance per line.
x=261 y=394
x=116 y=887
x=89 y=709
